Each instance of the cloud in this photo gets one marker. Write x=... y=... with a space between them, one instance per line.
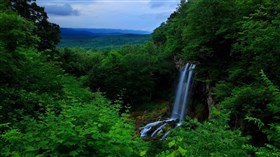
x=156 y=4
x=118 y=14
x=162 y=3
x=61 y=10
x=162 y=16
x=64 y=1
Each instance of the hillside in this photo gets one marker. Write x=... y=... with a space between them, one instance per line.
x=101 y=38
x=95 y=32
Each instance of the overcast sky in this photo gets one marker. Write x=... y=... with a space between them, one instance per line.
x=118 y=14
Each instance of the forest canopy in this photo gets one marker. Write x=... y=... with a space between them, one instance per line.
x=78 y=102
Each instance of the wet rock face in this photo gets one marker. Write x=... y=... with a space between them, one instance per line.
x=179 y=64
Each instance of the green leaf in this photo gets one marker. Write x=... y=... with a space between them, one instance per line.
x=171 y=144
x=182 y=151
x=143 y=153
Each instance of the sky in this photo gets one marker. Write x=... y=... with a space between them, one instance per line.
x=117 y=14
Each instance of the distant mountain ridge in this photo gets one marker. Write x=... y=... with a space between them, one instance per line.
x=96 y=32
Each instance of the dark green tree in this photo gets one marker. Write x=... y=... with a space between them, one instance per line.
x=25 y=77
x=49 y=33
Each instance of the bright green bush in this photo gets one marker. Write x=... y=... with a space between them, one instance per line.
x=92 y=129
x=210 y=138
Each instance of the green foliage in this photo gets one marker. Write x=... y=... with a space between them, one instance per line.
x=4 y=5
x=232 y=40
x=26 y=82
x=79 y=130
x=257 y=46
x=258 y=105
x=72 y=89
x=273 y=128
x=46 y=31
x=222 y=90
x=257 y=121
x=103 y=42
x=47 y=113
x=16 y=32
x=200 y=32
x=133 y=72
x=211 y=138
x=77 y=62
x=159 y=36
x=44 y=112
x=247 y=100
x=209 y=30
x=231 y=34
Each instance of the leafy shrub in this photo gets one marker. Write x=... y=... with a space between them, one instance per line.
x=210 y=138
x=94 y=128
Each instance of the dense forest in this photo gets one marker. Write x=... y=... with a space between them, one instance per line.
x=101 y=39
x=104 y=42
x=79 y=102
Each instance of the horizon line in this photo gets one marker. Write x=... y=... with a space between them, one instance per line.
x=100 y=1
x=128 y=29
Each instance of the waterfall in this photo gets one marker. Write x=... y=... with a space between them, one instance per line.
x=183 y=92
x=179 y=107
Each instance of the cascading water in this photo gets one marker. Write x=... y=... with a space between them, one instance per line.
x=183 y=93
x=179 y=106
